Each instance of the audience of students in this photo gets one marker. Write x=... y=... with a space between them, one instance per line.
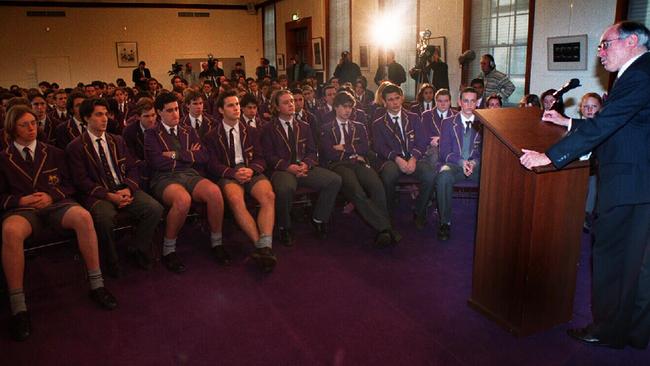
x=133 y=151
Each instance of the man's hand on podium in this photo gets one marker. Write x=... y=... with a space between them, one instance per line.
x=555 y=117
x=532 y=159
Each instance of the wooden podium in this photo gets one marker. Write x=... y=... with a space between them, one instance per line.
x=529 y=225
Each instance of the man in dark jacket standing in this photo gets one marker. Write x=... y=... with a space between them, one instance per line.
x=619 y=136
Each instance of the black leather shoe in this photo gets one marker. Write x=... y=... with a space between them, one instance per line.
x=585 y=335
x=265 y=259
x=320 y=229
x=103 y=298
x=420 y=221
x=221 y=255
x=443 y=232
x=383 y=239
x=19 y=326
x=173 y=263
x=285 y=238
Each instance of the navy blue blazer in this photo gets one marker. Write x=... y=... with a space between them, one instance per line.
x=620 y=136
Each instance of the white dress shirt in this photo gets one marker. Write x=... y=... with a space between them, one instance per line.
x=94 y=138
x=239 y=155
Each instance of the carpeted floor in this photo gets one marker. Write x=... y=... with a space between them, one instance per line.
x=332 y=302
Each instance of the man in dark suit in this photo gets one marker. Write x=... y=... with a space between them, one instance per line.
x=400 y=143
x=619 y=135
x=290 y=154
x=140 y=76
x=297 y=71
x=74 y=126
x=460 y=155
x=346 y=71
x=391 y=71
x=237 y=166
x=345 y=147
x=106 y=178
x=35 y=192
x=265 y=70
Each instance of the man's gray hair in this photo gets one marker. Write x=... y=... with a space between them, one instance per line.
x=628 y=28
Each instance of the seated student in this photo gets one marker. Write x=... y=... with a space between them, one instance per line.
x=329 y=92
x=171 y=151
x=400 y=143
x=46 y=124
x=196 y=118
x=432 y=123
x=290 y=154
x=237 y=165
x=590 y=105
x=60 y=112
x=305 y=115
x=479 y=86
x=424 y=100
x=310 y=99
x=362 y=94
x=358 y=115
x=548 y=100
x=249 y=115
x=123 y=109
x=208 y=95
x=378 y=108
x=460 y=154
x=73 y=127
x=134 y=133
x=494 y=101
x=530 y=100
x=106 y=177
x=344 y=144
x=35 y=193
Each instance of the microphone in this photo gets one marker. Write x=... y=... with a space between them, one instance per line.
x=569 y=85
x=557 y=95
x=467 y=57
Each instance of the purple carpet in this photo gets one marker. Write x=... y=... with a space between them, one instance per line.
x=332 y=302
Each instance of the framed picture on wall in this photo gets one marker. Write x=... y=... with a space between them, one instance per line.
x=127 y=54
x=364 y=58
x=567 y=53
x=317 y=53
x=440 y=44
x=279 y=61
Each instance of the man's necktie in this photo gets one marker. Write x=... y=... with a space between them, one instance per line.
x=346 y=133
x=467 y=125
x=292 y=142
x=28 y=155
x=231 y=147
x=172 y=131
x=29 y=160
x=400 y=134
x=110 y=180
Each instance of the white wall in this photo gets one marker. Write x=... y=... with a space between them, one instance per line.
x=555 y=18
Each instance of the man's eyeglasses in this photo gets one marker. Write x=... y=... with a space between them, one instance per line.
x=606 y=43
